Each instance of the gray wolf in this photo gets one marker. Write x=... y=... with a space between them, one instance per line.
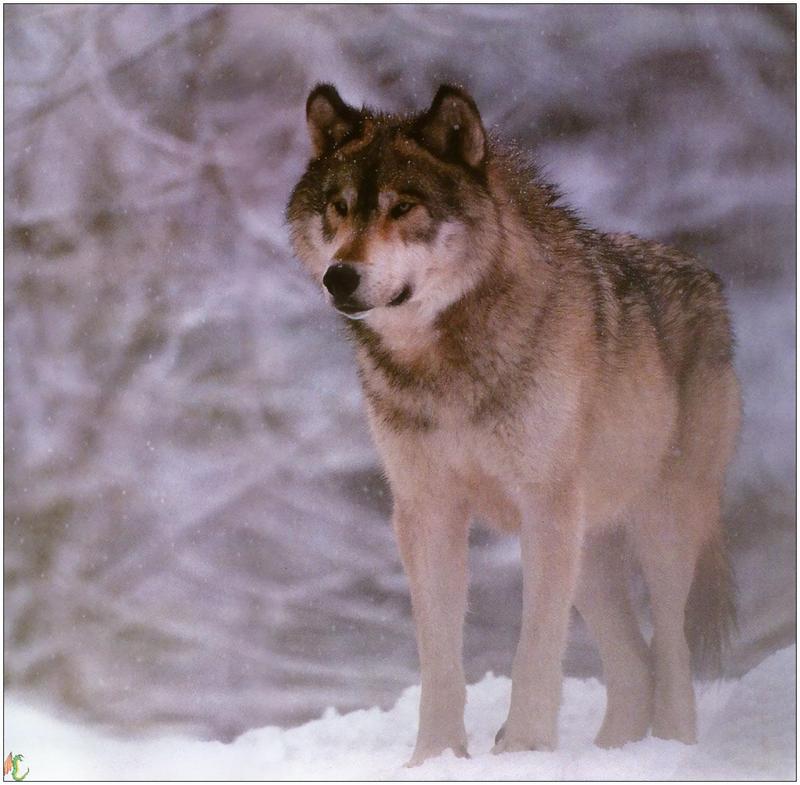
x=571 y=386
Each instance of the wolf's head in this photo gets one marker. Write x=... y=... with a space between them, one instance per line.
x=393 y=213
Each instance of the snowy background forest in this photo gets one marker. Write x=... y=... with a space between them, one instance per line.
x=196 y=528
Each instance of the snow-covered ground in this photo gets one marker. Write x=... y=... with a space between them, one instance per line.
x=746 y=732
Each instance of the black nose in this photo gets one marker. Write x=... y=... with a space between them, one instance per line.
x=341 y=280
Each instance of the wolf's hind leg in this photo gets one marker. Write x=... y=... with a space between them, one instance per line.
x=668 y=548
x=602 y=600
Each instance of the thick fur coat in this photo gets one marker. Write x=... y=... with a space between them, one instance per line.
x=567 y=385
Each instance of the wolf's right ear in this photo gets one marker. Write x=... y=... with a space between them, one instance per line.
x=330 y=120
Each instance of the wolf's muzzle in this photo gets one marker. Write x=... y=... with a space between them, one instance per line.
x=341 y=280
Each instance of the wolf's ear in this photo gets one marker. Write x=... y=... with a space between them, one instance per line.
x=330 y=120
x=452 y=129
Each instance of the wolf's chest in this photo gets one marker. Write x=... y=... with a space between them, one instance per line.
x=441 y=405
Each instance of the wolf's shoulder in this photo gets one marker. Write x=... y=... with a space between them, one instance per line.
x=683 y=299
x=666 y=271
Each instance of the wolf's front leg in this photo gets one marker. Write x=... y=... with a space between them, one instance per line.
x=550 y=543
x=432 y=537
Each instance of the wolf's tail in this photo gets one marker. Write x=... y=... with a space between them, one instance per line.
x=711 y=608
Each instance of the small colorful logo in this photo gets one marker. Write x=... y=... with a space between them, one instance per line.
x=11 y=764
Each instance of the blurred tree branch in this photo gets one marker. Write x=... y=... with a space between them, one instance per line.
x=98 y=84
x=29 y=116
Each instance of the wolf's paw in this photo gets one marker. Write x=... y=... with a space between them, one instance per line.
x=525 y=741
x=428 y=751
x=629 y=710
x=621 y=727
x=506 y=742
x=611 y=736
x=675 y=731
x=674 y=717
x=512 y=745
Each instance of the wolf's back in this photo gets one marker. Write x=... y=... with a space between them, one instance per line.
x=682 y=302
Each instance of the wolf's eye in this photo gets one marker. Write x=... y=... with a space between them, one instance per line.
x=341 y=207
x=400 y=209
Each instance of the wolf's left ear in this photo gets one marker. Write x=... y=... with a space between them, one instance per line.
x=452 y=129
x=330 y=120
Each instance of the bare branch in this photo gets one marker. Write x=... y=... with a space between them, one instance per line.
x=123 y=116
x=28 y=116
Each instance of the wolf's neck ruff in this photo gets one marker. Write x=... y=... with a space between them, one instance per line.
x=474 y=356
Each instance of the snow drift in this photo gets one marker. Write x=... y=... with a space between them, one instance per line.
x=747 y=731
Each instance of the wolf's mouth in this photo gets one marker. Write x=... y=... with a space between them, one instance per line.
x=351 y=311
x=357 y=311
x=402 y=297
